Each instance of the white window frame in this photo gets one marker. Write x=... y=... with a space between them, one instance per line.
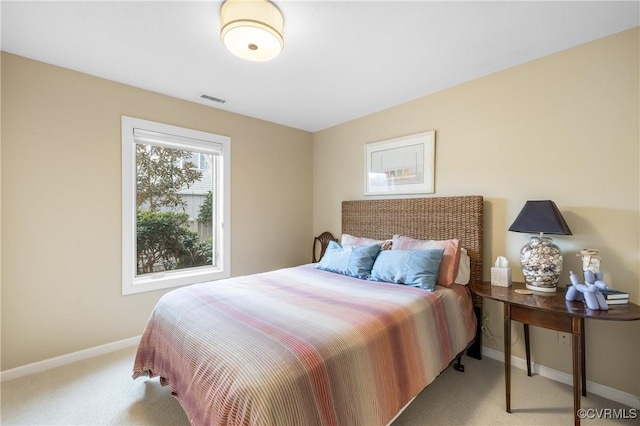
x=187 y=139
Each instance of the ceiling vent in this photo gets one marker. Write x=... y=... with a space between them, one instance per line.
x=213 y=99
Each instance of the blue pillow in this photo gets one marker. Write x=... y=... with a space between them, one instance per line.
x=417 y=268
x=354 y=261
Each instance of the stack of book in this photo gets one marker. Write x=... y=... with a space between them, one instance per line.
x=615 y=297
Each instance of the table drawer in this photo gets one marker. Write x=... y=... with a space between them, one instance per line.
x=551 y=320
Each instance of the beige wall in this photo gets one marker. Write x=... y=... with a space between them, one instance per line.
x=61 y=266
x=565 y=128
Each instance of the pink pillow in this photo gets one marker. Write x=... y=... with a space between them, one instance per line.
x=450 y=259
x=350 y=240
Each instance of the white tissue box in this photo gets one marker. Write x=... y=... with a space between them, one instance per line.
x=501 y=277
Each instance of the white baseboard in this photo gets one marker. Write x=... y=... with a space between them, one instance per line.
x=47 y=364
x=612 y=394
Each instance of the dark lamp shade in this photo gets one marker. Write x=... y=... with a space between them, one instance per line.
x=540 y=216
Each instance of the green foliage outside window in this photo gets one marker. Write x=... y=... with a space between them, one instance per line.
x=164 y=238
x=161 y=173
x=165 y=242
x=205 y=212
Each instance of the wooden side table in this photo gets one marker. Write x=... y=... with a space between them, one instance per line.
x=552 y=311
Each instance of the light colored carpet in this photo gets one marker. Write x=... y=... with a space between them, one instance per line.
x=100 y=391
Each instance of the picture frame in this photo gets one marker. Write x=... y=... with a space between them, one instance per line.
x=404 y=165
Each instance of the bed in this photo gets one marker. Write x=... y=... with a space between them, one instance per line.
x=304 y=346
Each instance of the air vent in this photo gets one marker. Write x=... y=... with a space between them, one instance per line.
x=213 y=98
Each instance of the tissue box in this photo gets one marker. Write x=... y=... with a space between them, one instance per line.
x=501 y=277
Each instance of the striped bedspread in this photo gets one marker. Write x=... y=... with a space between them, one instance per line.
x=300 y=346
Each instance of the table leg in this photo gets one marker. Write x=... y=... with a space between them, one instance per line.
x=507 y=355
x=583 y=361
x=527 y=347
x=576 y=347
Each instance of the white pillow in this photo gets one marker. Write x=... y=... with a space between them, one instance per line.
x=464 y=268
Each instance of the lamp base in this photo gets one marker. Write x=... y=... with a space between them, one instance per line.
x=542 y=289
x=541 y=264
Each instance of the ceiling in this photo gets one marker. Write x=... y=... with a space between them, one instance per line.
x=341 y=60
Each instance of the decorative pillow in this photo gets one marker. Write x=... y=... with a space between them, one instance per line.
x=450 y=259
x=464 y=268
x=350 y=240
x=417 y=268
x=354 y=261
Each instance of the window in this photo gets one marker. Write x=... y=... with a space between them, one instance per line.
x=175 y=206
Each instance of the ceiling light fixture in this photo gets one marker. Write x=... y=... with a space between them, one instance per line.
x=252 y=29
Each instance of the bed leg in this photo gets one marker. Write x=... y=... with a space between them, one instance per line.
x=458 y=366
x=475 y=350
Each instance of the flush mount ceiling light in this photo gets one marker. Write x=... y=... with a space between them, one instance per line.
x=252 y=29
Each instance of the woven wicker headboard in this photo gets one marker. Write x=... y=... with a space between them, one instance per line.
x=436 y=218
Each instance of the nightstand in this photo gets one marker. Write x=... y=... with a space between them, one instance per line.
x=552 y=311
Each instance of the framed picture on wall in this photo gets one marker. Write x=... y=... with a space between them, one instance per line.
x=404 y=165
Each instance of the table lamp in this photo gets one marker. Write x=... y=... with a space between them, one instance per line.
x=540 y=258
